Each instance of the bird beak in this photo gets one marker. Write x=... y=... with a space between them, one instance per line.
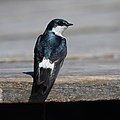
x=69 y=24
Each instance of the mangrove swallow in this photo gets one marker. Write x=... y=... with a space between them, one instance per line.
x=49 y=53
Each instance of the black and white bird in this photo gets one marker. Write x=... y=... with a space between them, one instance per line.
x=49 y=53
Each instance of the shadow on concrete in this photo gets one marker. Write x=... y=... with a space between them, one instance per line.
x=63 y=110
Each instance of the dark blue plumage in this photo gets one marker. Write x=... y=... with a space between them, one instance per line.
x=49 y=54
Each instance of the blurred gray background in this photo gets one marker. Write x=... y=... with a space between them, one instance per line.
x=96 y=30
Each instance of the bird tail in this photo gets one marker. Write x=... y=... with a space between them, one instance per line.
x=40 y=85
x=44 y=76
x=44 y=79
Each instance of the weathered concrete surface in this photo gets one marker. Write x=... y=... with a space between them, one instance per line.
x=79 y=79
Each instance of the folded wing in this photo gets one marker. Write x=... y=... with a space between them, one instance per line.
x=47 y=69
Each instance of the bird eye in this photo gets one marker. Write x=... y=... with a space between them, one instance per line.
x=60 y=23
x=64 y=22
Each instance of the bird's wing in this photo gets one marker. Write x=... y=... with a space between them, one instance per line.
x=57 y=58
x=46 y=70
x=60 y=50
x=38 y=57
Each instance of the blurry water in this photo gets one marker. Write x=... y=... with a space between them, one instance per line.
x=96 y=29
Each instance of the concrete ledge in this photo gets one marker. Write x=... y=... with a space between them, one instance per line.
x=79 y=80
x=65 y=89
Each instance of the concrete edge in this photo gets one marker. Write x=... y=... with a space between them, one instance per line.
x=65 y=89
x=64 y=79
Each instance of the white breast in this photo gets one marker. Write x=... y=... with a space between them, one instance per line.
x=59 y=30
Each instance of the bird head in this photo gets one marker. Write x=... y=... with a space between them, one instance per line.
x=58 y=26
